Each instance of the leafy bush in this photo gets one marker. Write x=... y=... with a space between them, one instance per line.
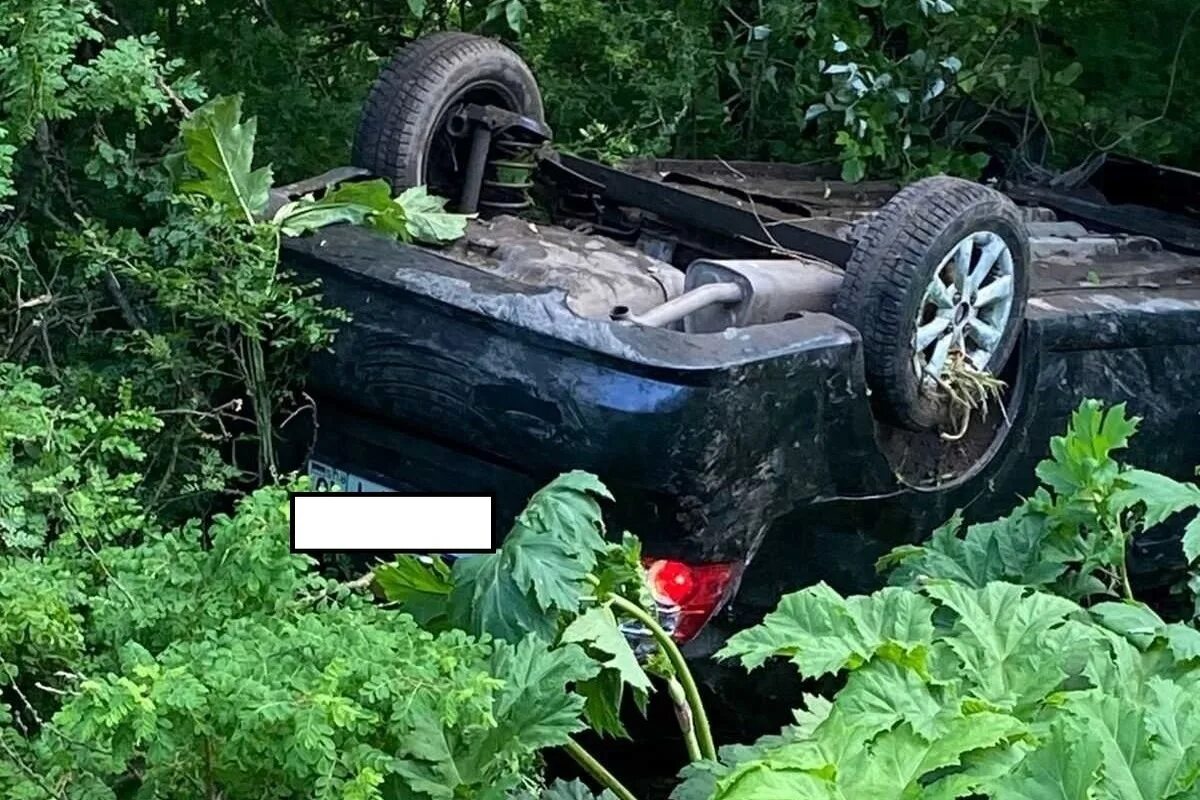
x=554 y=578
x=974 y=675
x=905 y=87
x=67 y=470
x=218 y=663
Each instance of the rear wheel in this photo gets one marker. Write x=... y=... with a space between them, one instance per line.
x=408 y=132
x=940 y=274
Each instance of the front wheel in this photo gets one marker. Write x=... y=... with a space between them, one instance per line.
x=938 y=277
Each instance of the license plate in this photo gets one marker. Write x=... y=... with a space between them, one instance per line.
x=325 y=477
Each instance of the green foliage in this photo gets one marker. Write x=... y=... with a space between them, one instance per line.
x=887 y=86
x=1072 y=535
x=215 y=159
x=219 y=662
x=413 y=215
x=951 y=689
x=553 y=579
x=964 y=701
x=67 y=470
x=220 y=147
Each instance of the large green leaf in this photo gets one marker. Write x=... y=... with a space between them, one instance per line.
x=822 y=632
x=1141 y=626
x=768 y=781
x=416 y=587
x=999 y=638
x=1135 y=621
x=1173 y=721
x=603 y=697
x=556 y=541
x=486 y=599
x=383 y=213
x=296 y=219
x=979 y=773
x=597 y=629
x=1091 y=437
x=894 y=763
x=360 y=203
x=1191 y=540
x=536 y=707
x=542 y=568
x=1159 y=495
x=219 y=146
x=1148 y=753
x=533 y=709
x=426 y=217
x=883 y=695
x=1063 y=767
x=1008 y=549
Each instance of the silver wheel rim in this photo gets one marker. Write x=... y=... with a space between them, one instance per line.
x=966 y=306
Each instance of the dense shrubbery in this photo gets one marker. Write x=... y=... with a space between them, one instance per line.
x=886 y=86
x=999 y=663
x=150 y=349
x=215 y=663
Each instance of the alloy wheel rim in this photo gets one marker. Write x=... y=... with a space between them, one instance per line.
x=966 y=306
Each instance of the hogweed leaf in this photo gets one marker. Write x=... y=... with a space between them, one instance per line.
x=536 y=708
x=1191 y=540
x=427 y=219
x=486 y=599
x=883 y=695
x=420 y=588
x=823 y=633
x=894 y=763
x=1160 y=496
x=999 y=638
x=598 y=631
x=557 y=540
x=541 y=570
x=766 y=781
x=1150 y=749
x=375 y=198
x=1062 y=767
x=296 y=219
x=597 y=627
x=1087 y=446
x=220 y=147
x=1135 y=621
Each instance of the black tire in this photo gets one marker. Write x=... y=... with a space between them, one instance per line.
x=894 y=259
x=401 y=134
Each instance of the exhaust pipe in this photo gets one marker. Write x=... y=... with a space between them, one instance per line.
x=687 y=303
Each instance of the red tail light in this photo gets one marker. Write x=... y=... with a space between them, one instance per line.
x=697 y=590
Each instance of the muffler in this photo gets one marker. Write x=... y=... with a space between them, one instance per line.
x=740 y=293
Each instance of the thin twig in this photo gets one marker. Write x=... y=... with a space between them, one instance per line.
x=175 y=99
x=1187 y=23
x=740 y=176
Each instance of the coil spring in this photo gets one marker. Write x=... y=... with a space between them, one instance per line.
x=509 y=176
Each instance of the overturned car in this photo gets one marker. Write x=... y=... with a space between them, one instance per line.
x=779 y=375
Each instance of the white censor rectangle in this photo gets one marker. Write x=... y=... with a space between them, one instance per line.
x=340 y=522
